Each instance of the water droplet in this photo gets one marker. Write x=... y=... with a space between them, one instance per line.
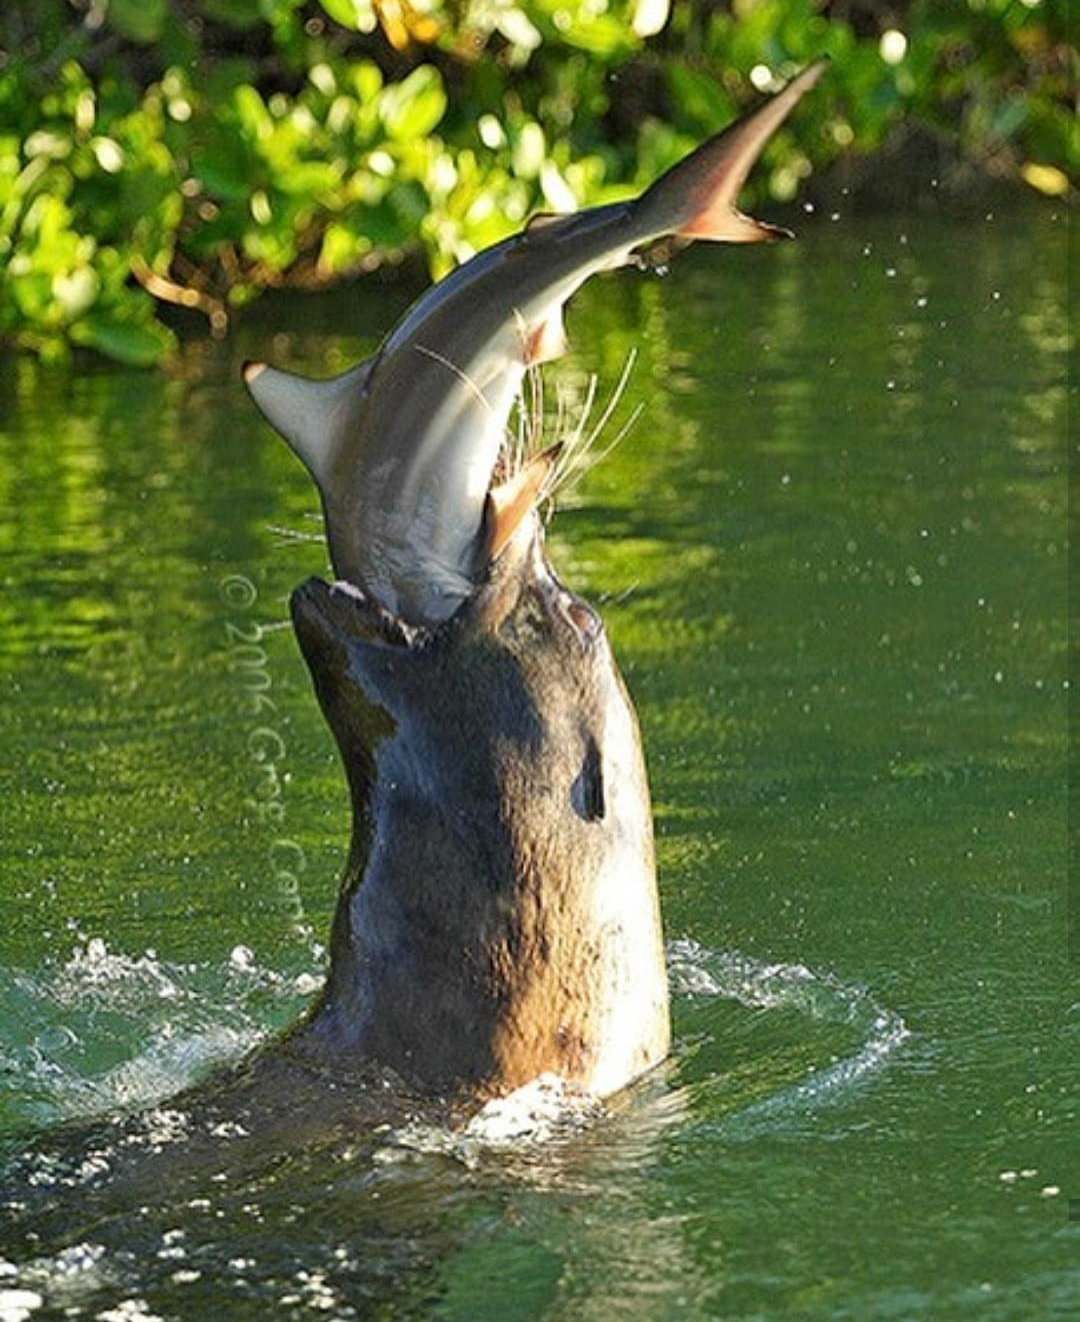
x=241 y=957
x=893 y=46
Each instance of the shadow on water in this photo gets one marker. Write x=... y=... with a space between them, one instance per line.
x=831 y=557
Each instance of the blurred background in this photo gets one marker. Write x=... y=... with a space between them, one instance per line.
x=164 y=155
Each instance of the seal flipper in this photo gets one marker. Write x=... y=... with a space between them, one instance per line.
x=315 y=417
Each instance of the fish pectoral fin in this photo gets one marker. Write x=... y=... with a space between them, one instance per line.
x=315 y=417
x=510 y=502
x=696 y=198
x=735 y=227
x=546 y=340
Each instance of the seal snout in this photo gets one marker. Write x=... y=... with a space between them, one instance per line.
x=345 y=611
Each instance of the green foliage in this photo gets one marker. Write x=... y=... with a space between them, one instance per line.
x=198 y=153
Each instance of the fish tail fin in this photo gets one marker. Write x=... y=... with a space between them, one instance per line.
x=696 y=198
x=315 y=417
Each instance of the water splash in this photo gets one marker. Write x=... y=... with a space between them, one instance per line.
x=546 y=1109
x=695 y=971
x=108 y=1031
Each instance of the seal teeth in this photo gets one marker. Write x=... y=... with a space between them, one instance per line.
x=343 y=586
x=393 y=628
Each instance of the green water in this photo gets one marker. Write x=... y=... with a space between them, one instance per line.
x=832 y=559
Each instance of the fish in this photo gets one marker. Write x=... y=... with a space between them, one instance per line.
x=403 y=446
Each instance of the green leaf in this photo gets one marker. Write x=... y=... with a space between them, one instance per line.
x=138 y=20
x=342 y=247
x=252 y=113
x=698 y=98
x=598 y=33
x=412 y=108
x=223 y=176
x=32 y=294
x=239 y=14
x=358 y=15
x=139 y=345
x=313 y=179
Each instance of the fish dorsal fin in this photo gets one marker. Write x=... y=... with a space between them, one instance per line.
x=511 y=501
x=313 y=416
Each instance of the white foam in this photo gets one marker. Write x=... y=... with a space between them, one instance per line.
x=536 y=1112
x=67 y=1280
x=18 y=1305
x=168 y=1022
x=548 y=1108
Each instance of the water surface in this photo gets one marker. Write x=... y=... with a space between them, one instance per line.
x=831 y=556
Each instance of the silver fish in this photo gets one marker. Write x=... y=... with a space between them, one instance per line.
x=403 y=446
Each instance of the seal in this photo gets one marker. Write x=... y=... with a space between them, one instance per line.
x=499 y=915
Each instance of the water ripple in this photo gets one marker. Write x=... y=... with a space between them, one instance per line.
x=695 y=971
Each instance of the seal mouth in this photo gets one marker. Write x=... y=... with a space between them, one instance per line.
x=347 y=611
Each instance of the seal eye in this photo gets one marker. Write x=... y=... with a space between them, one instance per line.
x=587 y=791
x=581 y=617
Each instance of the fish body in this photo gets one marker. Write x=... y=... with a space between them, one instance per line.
x=404 y=446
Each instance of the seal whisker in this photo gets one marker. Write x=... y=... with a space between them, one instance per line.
x=620 y=436
x=290 y=536
x=462 y=376
x=572 y=442
x=578 y=453
x=612 y=404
